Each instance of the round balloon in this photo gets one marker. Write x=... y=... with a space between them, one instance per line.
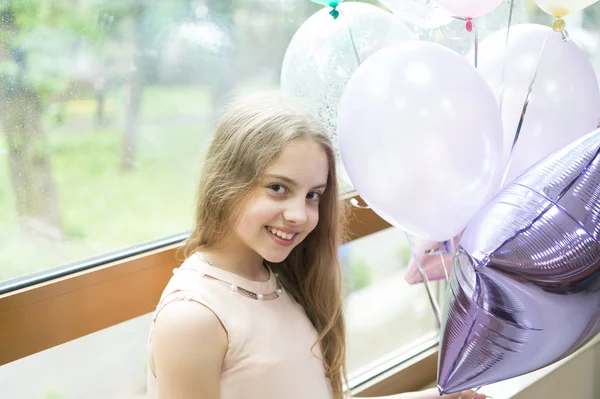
x=565 y=100
x=560 y=8
x=321 y=56
x=422 y=13
x=420 y=137
x=469 y=8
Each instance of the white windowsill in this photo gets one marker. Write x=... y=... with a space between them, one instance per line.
x=575 y=377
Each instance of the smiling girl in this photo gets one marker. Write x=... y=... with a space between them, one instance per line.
x=255 y=311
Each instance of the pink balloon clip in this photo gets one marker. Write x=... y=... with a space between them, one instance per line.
x=469 y=24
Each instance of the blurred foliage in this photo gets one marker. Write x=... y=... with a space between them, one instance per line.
x=53 y=393
x=50 y=45
x=358 y=275
x=404 y=254
x=39 y=38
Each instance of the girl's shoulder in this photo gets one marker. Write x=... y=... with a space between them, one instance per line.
x=185 y=318
x=186 y=277
x=187 y=347
x=197 y=277
x=188 y=285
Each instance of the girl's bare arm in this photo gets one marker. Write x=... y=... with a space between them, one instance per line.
x=188 y=347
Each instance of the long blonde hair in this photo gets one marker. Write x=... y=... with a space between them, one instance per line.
x=250 y=135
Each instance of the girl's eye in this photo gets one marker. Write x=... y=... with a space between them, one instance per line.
x=277 y=188
x=314 y=196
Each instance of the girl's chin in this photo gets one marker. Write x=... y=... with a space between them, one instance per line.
x=275 y=258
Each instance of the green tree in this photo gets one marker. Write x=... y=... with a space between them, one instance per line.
x=150 y=20
x=34 y=35
x=39 y=41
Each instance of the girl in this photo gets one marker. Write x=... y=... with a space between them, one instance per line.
x=255 y=311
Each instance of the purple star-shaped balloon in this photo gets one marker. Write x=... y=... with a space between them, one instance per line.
x=525 y=287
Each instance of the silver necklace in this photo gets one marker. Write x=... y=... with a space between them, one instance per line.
x=242 y=291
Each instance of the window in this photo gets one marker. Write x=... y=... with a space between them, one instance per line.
x=384 y=315
x=108 y=105
x=107 y=109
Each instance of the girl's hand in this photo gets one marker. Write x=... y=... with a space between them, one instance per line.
x=465 y=395
x=434 y=394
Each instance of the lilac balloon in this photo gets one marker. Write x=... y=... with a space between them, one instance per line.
x=525 y=288
x=420 y=137
x=565 y=101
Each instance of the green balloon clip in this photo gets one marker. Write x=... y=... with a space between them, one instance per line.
x=331 y=3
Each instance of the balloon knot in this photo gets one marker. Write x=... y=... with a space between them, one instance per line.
x=558 y=25
x=334 y=13
x=469 y=24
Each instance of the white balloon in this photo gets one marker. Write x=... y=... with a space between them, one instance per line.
x=320 y=58
x=423 y=13
x=420 y=137
x=560 y=8
x=469 y=8
x=565 y=100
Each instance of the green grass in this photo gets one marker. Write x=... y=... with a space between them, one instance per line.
x=103 y=207
x=99 y=199
x=51 y=393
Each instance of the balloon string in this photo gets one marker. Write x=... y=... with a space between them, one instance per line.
x=358 y=61
x=452 y=248
x=510 y=16
x=444 y=267
x=502 y=86
x=432 y=301
x=470 y=26
x=441 y=252
x=475 y=45
x=524 y=110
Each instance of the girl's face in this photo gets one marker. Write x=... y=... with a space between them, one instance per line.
x=284 y=207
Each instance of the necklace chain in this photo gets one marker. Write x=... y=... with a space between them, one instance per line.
x=242 y=291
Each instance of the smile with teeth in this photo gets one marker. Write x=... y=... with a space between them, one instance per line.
x=281 y=234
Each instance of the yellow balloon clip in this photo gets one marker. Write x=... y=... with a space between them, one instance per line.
x=558 y=25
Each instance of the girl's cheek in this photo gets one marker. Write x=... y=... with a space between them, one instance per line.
x=314 y=219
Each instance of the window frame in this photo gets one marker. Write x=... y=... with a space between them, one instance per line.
x=92 y=295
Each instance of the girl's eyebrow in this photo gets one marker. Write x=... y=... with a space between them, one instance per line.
x=291 y=182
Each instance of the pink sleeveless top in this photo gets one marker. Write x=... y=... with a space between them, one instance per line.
x=270 y=353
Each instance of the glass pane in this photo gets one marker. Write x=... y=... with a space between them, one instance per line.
x=106 y=110
x=108 y=104
x=383 y=313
